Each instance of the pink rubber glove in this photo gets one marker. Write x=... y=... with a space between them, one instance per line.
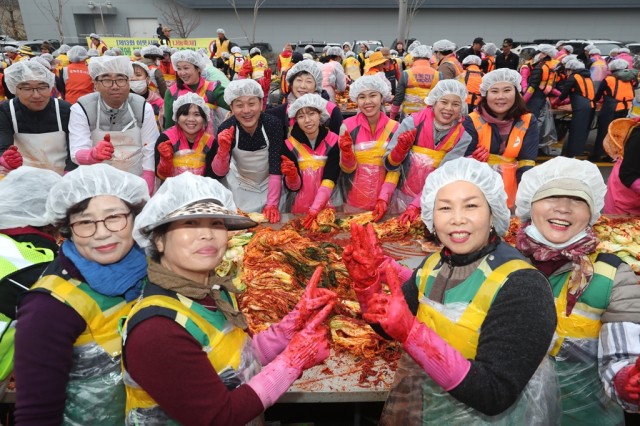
x=103 y=149
x=150 y=178
x=347 y=157
x=481 y=154
x=402 y=148
x=11 y=159
x=395 y=110
x=84 y=158
x=403 y=272
x=635 y=186
x=410 y=214
x=321 y=199
x=386 y=191
x=307 y=348
x=363 y=258
x=379 y=210
x=220 y=164
x=273 y=199
x=290 y=173
x=627 y=383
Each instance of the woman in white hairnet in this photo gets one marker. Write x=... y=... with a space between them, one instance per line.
x=76 y=76
x=424 y=141
x=579 y=87
x=184 y=146
x=472 y=78
x=597 y=296
x=365 y=183
x=617 y=94
x=306 y=77
x=34 y=127
x=333 y=76
x=475 y=320
x=189 y=67
x=504 y=134
x=311 y=160
x=187 y=333
x=448 y=64
x=247 y=151
x=67 y=343
x=415 y=83
x=140 y=84
x=542 y=80
x=489 y=61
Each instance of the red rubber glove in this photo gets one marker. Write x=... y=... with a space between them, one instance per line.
x=391 y=310
x=363 y=256
x=166 y=150
x=345 y=143
x=410 y=214
x=379 y=210
x=627 y=383
x=288 y=168
x=402 y=148
x=12 y=158
x=103 y=150
x=310 y=346
x=309 y=219
x=225 y=138
x=481 y=154
x=271 y=213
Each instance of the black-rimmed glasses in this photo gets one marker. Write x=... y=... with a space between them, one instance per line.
x=120 y=82
x=88 y=228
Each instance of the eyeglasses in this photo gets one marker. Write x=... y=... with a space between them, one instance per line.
x=120 y=82
x=41 y=90
x=88 y=228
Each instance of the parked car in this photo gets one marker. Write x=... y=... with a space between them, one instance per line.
x=372 y=44
x=605 y=46
x=634 y=48
x=318 y=45
x=265 y=49
x=33 y=44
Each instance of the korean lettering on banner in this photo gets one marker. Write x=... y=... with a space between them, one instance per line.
x=128 y=45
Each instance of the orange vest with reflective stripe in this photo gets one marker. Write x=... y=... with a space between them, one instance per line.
x=621 y=91
x=586 y=88
x=456 y=64
x=472 y=78
x=491 y=63
x=3 y=96
x=548 y=80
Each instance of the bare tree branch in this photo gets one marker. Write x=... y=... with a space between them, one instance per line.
x=52 y=9
x=256 y=7
x=414 y=6
x=232 y=3
x=182 y=20
x=11 y=19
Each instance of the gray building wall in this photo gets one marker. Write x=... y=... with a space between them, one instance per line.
x=277 y=24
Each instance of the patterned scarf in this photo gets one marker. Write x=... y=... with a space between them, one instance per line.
x=577 y=253
x=169 y=280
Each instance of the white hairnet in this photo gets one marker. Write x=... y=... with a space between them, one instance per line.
x=188 y=98
x=310 y=67
x=43 y=61
x=109 y=53
x=623 y=50
x=254 y=50
x=92 y=53
x=475 y=172
x=594 y=51
x=307 y=56
x=443 y=46
x=369 y=82
x=77 y=54
x=472 y=59
x=203 y=51
x=310 y=100
x=176 y=193
x=48 y=57
x=583 y=177
x=136 y=52
x=568 y=48
x=174 y=50
x=117 y=50
x=225 y=55
x=91 y=181
x=309 y=47
x=588 y=47
x=245 y=87
x=421 y=51
x=547 y=49
x=94 y=35
x=448 y=87
x=393 y=52
x=574 y=64
x=165 y=49
x=236 y=49
x=501 y=75
x=346 y=43
x=490 y=49
x=10 y=49
x=27 y=71
x=412 y=46
x=368 y=53
x=143 y=66
x=335 y=51
x=189 y=56
x=151 y=50
x=23 y=197
x=568 y=58
x=221 y=31
x=351 y=54
x=618 y=64
x=110 y=65
x=64 y=48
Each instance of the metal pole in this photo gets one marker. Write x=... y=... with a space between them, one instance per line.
x=402 y=21
x=104 y=28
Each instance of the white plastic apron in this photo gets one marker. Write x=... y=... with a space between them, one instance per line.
x=248 y=176
x=42 y=150
x=127 y=144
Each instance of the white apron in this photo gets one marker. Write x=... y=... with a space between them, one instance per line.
x=41 y=150
x=127 y=144
x=248 y=177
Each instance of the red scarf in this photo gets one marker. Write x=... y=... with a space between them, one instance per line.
x=577 y=253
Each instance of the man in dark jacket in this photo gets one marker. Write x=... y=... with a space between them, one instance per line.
x=506 y=58
x=475 y=49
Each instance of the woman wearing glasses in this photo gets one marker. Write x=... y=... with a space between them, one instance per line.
x=67 y=343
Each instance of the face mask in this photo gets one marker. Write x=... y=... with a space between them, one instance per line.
x=534 y=233
x=138 y=86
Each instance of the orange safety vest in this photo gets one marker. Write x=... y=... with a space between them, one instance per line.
x=621 y=91
x=421 y=78
x=456 y=64
x=221 y=48
x=285 y=62
x=3 y=95
x=472 y=78
x=168 y=72
x=491 y=63
x=548 y=76
x=586 y=88
x=78 y=82
x=508 y=160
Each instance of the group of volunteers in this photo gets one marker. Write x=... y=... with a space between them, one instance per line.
x=144 y=173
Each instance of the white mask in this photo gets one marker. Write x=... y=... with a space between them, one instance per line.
x=535 y=233
x=138 y=86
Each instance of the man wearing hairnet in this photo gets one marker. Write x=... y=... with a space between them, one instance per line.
x=34 y=127
x=448 y=64
x=77 y=80
x=542 y=79
x=222 y=44
x=113 y=125
x=415 y=84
